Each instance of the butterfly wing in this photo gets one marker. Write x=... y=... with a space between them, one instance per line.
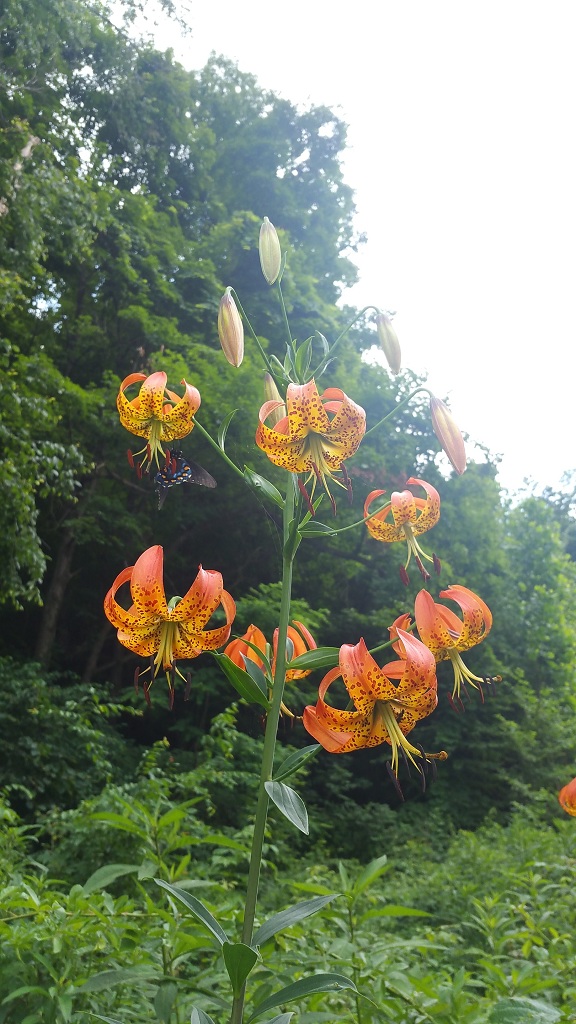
x=178 y=470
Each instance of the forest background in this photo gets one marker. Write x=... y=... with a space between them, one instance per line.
x=131 y=194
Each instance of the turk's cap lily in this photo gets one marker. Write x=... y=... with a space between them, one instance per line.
x=299 y=641
x=448 y=434
x=317 y=433
x=446 y=635
x=156 y=413
x=567 y=798
x=230 y=329
x=384 y=712
x=389 y=342
x=410 y=518
x=162 y=631
x=270 y=252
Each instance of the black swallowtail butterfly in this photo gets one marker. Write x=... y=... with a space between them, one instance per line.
x=178 y=470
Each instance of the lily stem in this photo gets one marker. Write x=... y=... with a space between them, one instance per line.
x=269 y=744
x=397 y=409
x=217 y=447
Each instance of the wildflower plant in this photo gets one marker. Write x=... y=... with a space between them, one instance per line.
x=309 y=432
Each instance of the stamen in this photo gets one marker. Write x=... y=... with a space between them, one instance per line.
x=130 y=458
x=437 y=564
x=423 y=572
x=347 y=482
x=404 y=576
x=394 y=778
x=146 y=689
x=306 y=497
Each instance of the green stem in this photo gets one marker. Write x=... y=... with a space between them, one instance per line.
x=284 y=313
x=396 y=409
x=217 y=447
x=269 y=745
x=321 y=366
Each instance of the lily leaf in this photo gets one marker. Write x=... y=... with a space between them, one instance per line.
x=321 y=657
x=316 y=529
x=120 y=976
x=223 y=429
x=295 y=761
x=371 y=872
x=304 y=987
x=263 y=486
x=197 y=908
x=286 y=918
x=242 y=681
x=516 y=1010
x=107 y=874
x=289 y=804
x=239 y=960
x=200 y=1017
x=256 y=674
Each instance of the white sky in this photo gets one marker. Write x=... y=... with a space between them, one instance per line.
x=463 y=158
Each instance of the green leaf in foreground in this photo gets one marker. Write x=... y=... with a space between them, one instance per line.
x=242 y=681
x=123 y=975
x=197 y=908
x=289 y=804
x=107 y=874
x=302 y=988
x=239 y=960
x=322 y=657
x=288 y=917
x=263 y=487
x=523 y=1011
x=223 y=429
x=295 y=761
x=200 y=1017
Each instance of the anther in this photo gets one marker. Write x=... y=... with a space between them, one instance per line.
x=306 y=497
x=404 y=576
x=394 y=778
x=423 y=572
x=130 y=458
x=437 y=564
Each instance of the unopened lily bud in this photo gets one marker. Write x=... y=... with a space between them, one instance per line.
x=230 y=329
x=269 y=249
x=389 y=341
x=273 y=395
x=448 y=434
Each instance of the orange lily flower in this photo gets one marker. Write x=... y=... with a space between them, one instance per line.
x=300 y=637
x=410 y=517
x=446 y=635
x=165 y=631
x=157 y=414
x=384 y=712
x=567 y=798
x=306 y=440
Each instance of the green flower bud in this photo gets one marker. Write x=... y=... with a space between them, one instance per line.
x=389 y=342
x=273 y=395
x=269 y=249
x=230 y=329
x=448 y=434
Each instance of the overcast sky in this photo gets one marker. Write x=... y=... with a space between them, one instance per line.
x=463 y=160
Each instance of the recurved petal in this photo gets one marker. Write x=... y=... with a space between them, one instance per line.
x=431 y=626
x=114 y=612
x=348 y=425
x=331 y=740
x=147 y=583
x=179 y=419
x=201 y=600
x=192 y=641
x=477 y=616
x=151 y=397
x=282 y=450
x=429 y=510
x=364 y=680
x=305 y=410
x=238 y=649
x=144 y=640
x=417 y=688
x=377 y=526
x=403 y=507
